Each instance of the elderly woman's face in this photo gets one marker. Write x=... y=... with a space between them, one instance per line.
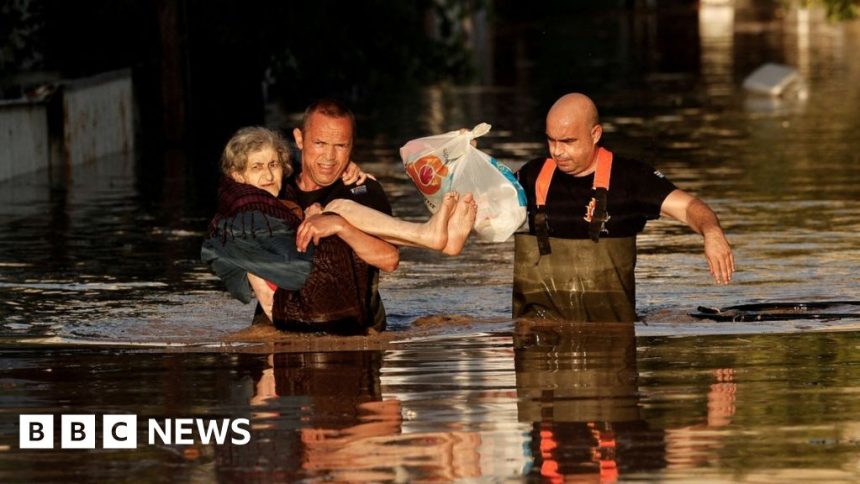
x=263 y=170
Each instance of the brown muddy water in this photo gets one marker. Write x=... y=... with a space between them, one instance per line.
x=105 y=309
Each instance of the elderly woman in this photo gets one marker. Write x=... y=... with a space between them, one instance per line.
x=252 y=237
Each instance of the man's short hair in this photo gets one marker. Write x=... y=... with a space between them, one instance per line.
x=249 y=140
x=329 y=107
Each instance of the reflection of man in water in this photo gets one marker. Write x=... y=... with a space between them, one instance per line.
x=323 y=415
x=578 y=387
x=316 y=414
x=584 y=192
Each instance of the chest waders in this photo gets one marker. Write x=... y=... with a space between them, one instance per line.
x=570 y=279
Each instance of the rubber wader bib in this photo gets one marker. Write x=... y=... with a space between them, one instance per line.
x=579 y=281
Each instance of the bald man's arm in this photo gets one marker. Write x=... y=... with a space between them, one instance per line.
x=682 y=206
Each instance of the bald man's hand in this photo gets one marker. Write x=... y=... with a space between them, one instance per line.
x=699 y=217
x=718 y=252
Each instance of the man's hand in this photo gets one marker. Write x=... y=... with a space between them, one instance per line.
x=316 y=227
x=353 y=174
x=699 y=217
x=313 y=209
x=374 y=251
x=718 y=252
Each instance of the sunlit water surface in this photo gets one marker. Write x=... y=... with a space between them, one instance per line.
x=105 y=308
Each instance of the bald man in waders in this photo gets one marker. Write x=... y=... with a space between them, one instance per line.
x=585 y=207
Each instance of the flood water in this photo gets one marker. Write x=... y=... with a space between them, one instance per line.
x=106 y=309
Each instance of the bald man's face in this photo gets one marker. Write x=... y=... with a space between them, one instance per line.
x=572 y=141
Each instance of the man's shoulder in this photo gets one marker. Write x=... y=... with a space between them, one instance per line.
x=634 y=167
x=627 y=160
x=529 y=171
x=533 y=164
x=370 y=194
x=370 y=186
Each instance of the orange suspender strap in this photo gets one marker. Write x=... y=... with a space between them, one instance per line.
x=543 y=180
x=595 y=214
x=541 y=189
x=604 y=169
x=602 y=174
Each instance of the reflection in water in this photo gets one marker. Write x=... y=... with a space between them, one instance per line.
x=317 y=414
x=577 y=384
x=716 y=36
x=323 y=415
x=685 y=447
x=566 y=401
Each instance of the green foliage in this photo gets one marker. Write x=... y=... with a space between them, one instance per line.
x=837 y=10
x=841 y=9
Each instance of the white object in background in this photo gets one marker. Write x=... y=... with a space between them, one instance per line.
x=771 y=79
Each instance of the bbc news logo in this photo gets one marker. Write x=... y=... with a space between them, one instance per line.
x=36 y=431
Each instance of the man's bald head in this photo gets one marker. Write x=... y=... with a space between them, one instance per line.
x=572 y=132
x=574 y=107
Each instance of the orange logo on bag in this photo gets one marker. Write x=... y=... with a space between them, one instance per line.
x=427 y=173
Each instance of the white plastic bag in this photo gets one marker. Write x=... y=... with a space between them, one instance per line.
x=448 y=162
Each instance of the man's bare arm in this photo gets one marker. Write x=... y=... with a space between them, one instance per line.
x=374 y=251
x=698 y=216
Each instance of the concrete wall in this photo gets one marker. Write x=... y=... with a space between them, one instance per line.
x=98 y=117
x=85 y=119
x=24 y=140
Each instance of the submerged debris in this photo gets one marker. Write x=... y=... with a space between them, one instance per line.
x=781 y=311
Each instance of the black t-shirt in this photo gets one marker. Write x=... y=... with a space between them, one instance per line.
x=636 y=192
x=370 y=194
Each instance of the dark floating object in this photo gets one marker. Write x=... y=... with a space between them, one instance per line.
x=781 y=311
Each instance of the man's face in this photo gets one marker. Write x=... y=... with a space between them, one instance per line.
x=326 y=144
x=263 y=171
x=572 y=142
